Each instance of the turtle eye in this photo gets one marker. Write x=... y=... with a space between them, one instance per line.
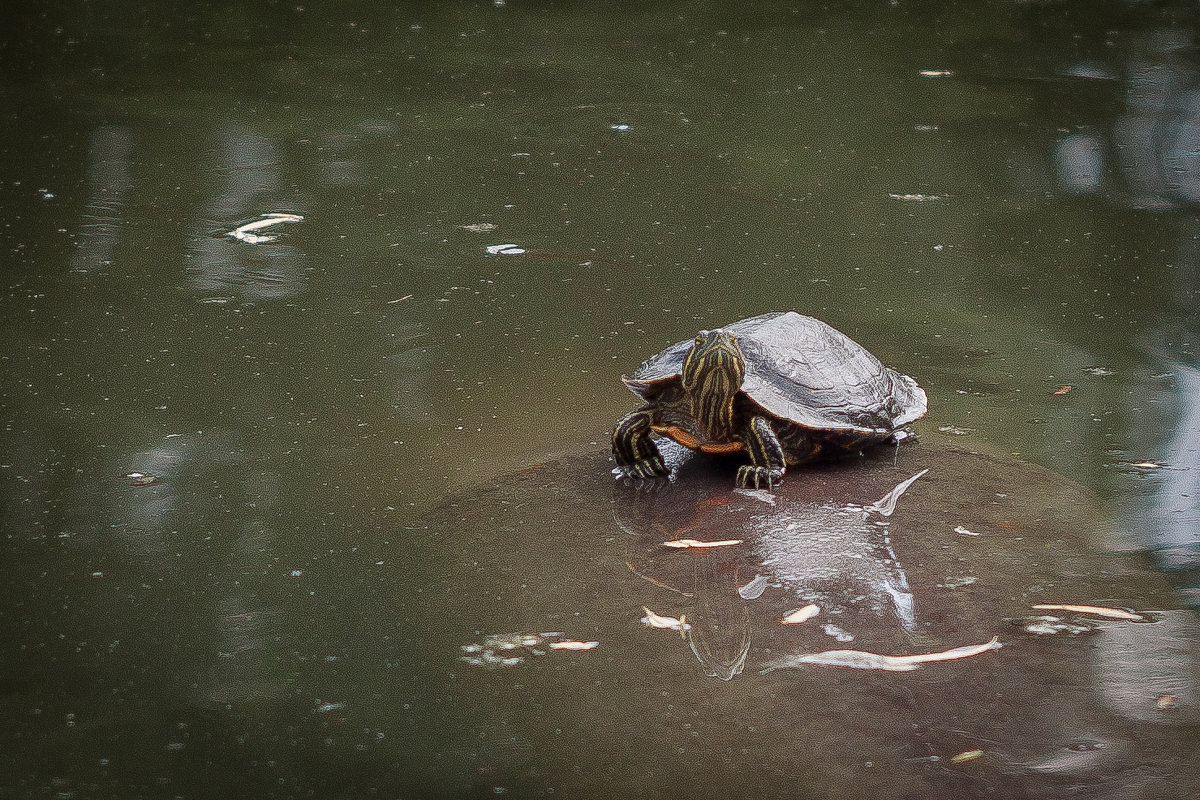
x=700 y=337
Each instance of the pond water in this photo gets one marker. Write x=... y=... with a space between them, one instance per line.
x=249 y=488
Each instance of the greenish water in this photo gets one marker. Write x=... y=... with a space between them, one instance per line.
x=1000 y=199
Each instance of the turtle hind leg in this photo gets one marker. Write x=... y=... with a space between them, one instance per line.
x=768 y=461
x=634 y=450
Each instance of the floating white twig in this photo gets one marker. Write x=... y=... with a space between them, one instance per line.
x=801 y=614
x=245 y=233
x=680 y=544
x=661 y=622
x=860 y=659
x=1099 y=611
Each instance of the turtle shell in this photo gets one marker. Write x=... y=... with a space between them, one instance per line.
x=801 y=370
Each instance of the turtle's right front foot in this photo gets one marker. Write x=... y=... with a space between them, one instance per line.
x=754 y=477
x=651 y=467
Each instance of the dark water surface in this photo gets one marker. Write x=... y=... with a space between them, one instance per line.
x=229 y=564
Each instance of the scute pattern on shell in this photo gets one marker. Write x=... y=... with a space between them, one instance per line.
x=800 y=369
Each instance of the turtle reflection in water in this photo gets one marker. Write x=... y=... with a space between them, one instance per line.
x=837 y=555
x=774 y=389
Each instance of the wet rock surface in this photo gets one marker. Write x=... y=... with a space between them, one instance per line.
x=970 y=546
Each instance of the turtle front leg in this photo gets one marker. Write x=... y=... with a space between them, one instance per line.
x=767 y=459
x=633 y=449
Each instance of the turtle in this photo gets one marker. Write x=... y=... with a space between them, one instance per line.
x=774 y=389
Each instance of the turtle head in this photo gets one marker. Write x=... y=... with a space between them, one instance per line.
x=712 y=374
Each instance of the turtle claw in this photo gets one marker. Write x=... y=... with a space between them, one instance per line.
x=647 y=468
x=752 y=477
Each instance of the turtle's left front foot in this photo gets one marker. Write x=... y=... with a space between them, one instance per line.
x=752 y=477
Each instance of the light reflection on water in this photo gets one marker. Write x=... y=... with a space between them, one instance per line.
x=1023 y=220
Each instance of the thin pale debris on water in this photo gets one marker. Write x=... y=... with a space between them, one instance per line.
x=246 y=232
x=662 y=622
x=573 y=645
x=801 y=614
x=505 y=250
x=680 y=544
x=886 y=505
x=512 y=649
x=141 y=478
x=1098 y=611
x=918 y=198
x=861 y=659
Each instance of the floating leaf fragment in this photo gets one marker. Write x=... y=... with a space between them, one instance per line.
x=661 y=622
x=886 y=505
x=571 y=645
x=680 y=544
x=969 y=755
x=1098 y=611
x=1064 y=389
x=801 y=614
x=505 y=250
x=754 y=589
x=860 y=659
x=141 y=478
x=1165 y=701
